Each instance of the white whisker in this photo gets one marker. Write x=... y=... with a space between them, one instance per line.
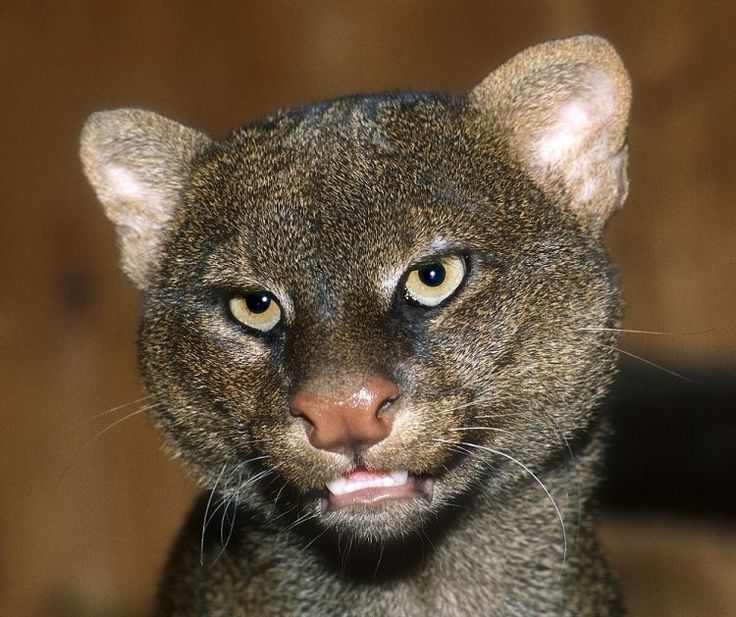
x=645 y=361
x=111 y=410
x=480 y=428
x=317 y=537
x=94 y=439
x=538 y=481
x=224 y=541
x=513 y=414
x=646 y=332
x=275 y=501
x=626 y=331
x=205 y=522
x=633 y=355
x=553 y=423
x=303 y=518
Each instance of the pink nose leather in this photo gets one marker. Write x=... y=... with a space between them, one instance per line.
x=354 y=423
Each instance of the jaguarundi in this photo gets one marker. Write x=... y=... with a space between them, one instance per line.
x=378 y=331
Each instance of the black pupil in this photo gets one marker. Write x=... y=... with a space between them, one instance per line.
x=432 y=275
x=258 y=302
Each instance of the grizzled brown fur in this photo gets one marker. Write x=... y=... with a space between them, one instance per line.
x=327 y=207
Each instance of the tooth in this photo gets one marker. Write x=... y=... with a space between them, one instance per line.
x=338 y=486
x=342 y=486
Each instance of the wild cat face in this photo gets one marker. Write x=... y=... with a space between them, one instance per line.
x=355 y=311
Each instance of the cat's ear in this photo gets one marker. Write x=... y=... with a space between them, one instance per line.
x=563 y=107
x=138 y=163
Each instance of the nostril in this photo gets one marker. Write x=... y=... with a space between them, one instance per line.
x=386 y=404
x=304 y=421
x=306 y=406
x=307 y=410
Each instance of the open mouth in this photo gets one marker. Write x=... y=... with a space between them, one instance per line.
x=374 y=487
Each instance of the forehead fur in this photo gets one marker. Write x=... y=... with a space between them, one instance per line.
x=334 y=152
x=340 y=167
x=342 y=197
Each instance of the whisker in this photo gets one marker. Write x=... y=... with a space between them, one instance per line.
x=646 y=332
x=538 y=481
x=304 y=517
x=425 y=536
x=625 y=331
x=224 y=541
x=107 y=412
x=345 y=557
x=462 y=406
x=253 y=479
x=230 y=498
x=237 y=469
x=94 y=439
x=378 y=561
x=512 y=414
x=645 y=361
x=549 y=421
x=459 y=449
x=252 y=460
x=635 y=356
x=205 y=522
x=554 y=424
x=313 y=540
x=275 y=501
x=480 y=428
x=284 y=513
x=221 y=503
x=226 y=495
x=118 y=421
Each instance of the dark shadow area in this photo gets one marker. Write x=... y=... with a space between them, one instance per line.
x=674 y=443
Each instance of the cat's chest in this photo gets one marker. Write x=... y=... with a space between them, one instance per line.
x=464 y=578
x=310 y=589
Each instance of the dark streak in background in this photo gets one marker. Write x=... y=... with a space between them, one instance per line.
x=674 y=443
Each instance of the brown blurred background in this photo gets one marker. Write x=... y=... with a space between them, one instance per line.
x=85 y=525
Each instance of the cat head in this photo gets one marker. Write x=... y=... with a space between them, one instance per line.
x=349 y=306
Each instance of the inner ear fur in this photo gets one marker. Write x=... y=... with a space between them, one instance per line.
x=138 y=163
x=563 y=108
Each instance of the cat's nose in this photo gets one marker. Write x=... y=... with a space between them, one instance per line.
x=355 y=422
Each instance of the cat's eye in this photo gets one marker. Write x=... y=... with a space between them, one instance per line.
x=257 y=309
x=431 y=283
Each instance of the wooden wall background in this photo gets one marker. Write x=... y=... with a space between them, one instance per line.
x=84 y=525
